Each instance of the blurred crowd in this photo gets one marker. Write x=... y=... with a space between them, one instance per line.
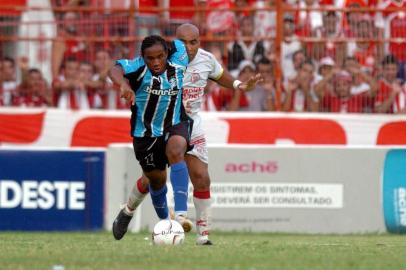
x=349 y=61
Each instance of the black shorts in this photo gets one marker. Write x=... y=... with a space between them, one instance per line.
x=150 y=151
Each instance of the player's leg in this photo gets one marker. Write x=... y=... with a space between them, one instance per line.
x=197 y=161
x=150 y=154
x=176 y=147
x=137 y=195
x=158 y=190
x=199 y=175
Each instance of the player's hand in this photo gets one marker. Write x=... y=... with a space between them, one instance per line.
x=251 y=83
x=127 y=93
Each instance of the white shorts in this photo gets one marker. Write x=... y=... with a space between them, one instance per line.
x=198 y=139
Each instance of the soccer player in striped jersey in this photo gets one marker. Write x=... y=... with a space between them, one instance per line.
x=202 y=66
x=159 y=124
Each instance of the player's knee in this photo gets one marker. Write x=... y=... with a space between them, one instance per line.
x=144 y=182
x=156 y=180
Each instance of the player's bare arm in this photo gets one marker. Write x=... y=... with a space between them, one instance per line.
x=228 y=81
x=116 y=74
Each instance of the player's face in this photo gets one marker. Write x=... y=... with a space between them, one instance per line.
x=155 y=57
x=192 y=42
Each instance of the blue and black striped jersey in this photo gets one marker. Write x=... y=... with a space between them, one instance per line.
x=158 y=99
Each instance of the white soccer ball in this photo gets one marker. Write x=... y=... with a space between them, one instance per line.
x=168 y=232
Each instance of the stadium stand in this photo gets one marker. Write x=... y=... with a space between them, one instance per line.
x=310 y=45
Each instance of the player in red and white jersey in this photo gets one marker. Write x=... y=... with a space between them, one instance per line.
x=202 y=66
x=393 y=24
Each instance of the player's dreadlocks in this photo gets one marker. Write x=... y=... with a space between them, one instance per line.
x=151 y=41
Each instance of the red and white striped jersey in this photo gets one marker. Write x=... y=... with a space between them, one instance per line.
x=393 y=24
x=385 y=89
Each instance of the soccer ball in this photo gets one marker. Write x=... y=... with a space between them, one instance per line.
x=168 y=232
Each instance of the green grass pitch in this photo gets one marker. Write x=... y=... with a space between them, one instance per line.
x=245 y=251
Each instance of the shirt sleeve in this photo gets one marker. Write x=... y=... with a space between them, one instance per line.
x=130 y=65
x=179 y=55
x=217 y=69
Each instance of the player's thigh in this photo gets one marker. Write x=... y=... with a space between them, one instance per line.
x=179 y=136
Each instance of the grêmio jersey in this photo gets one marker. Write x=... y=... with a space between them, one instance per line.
x=158 y=98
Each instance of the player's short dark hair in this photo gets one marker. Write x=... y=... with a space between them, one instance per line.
x=150 y=41
x=389 y=59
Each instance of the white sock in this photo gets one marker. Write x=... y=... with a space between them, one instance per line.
x=203 y=214
x=135 y=199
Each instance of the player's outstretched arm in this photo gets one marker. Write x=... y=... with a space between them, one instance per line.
x=117 y=76
x=228 y=81
x=251 y=83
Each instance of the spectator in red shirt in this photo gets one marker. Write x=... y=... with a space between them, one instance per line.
x=8 y=80
x=391 y=23
x=341 y=100
x=175 y=18
x=391 y=94
x=66 y=46
x=366 y=52
x=110 y=96
x=68 y=90
x=330 y=29
x=33 y=92
x=299 y=94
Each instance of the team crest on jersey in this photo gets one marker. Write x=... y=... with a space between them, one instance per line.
x=195 y=77
x=173 y=83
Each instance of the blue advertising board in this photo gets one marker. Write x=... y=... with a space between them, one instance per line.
x=51 y=190
x=394 y=191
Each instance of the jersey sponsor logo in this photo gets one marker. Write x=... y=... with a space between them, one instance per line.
x=31 y=194
x=193 y=92
x=162 y=92
x=173 y=82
